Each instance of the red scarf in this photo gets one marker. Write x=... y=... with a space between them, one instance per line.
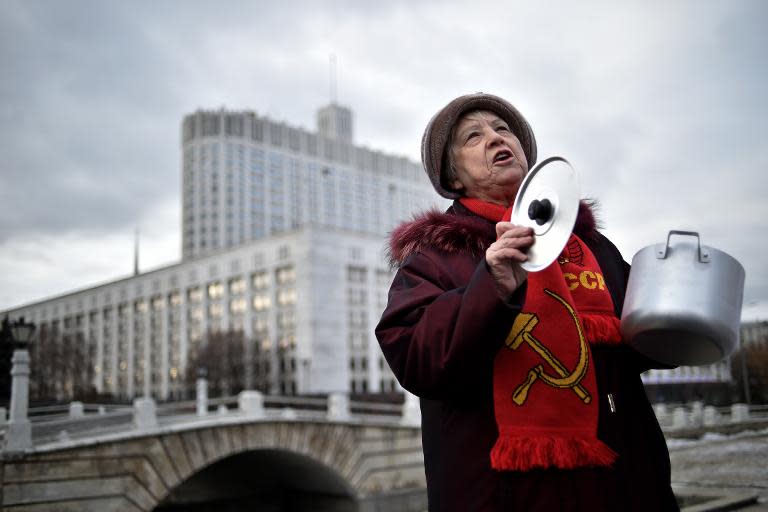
x=545 y=394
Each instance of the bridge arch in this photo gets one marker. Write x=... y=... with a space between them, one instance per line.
x=362 y=466
x=304 y=457
x=266 y=480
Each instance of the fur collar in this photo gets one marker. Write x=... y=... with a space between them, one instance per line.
x=459 y=230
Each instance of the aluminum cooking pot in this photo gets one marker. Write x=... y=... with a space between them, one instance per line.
x=683 y=302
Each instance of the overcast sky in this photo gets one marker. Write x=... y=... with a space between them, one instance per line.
x=662 y=106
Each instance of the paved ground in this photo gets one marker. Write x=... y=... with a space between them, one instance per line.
x=737 y=463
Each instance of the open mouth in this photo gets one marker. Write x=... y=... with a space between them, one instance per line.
x=503 y=156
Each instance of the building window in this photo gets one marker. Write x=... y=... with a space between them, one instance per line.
x=233 y=125
x=237 y=286
x=215 y=310
x=158 y=303
x=356 y=274
x=260 y=280
x=355 y=253
x=211 y=124
x=293 y=139
x=285 y=275
x=215 y=290
x=286 y=319
x=261 y=302
x=257 y=129
x=276 y=134
x=139 y=306
x=356 y=297
x=357 y=319
x=287 y=342
x=237 y=306
x=195 y=294
x=260 y=324
x=286 y=296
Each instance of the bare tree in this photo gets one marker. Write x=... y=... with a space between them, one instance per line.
x=222 y=354
x=61 y=367
x=754 y=359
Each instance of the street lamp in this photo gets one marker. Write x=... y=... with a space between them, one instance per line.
x=18 y=435
x=22 y=332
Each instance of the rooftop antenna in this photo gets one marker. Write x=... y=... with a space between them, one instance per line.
x=136 y=252
x=333 y=77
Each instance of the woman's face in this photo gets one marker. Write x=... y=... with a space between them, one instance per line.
x=489 y=161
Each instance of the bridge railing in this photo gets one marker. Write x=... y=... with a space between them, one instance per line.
x=67 y=423
x=64 y=428
x=675 y=417
x=25 y=428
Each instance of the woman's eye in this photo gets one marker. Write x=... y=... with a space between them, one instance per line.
x=502 y=129
x=472 y=135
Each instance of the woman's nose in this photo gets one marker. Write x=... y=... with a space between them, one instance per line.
x=494 y=137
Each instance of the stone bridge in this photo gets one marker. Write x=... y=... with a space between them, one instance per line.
x=244 y=458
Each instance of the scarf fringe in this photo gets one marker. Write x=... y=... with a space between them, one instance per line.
x=520 y=453
x=601 y=329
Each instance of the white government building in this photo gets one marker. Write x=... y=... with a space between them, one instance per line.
x=283 y=239
x=246 y=178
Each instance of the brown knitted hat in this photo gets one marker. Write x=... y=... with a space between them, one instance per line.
x=435 y=139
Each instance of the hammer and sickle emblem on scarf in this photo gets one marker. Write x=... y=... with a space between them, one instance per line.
x=521 y=331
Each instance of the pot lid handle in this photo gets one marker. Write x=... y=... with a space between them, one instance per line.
x=703 y=253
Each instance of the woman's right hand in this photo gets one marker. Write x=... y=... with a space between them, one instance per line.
x=505 y=255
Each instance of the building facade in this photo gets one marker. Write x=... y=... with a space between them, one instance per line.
x=303 y=304
x=283 y=236
x=245 y=177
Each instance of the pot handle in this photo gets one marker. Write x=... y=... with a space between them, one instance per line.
x=703 y=254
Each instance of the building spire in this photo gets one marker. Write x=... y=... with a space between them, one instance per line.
x=136 y=252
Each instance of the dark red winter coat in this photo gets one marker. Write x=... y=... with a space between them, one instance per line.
x=440 y=333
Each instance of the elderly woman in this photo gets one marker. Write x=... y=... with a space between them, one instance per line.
x=530 y=400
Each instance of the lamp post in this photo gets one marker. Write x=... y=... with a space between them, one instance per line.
x=201 y=395
x=6 y=352
x=745 y=376
x=18 y=436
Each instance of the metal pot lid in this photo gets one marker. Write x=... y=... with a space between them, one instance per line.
x=548 y=202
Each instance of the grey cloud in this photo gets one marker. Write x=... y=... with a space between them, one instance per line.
x=660 y=104
x=78 y=120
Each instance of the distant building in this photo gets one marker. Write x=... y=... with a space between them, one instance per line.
x=754 y=333
x=246 y=177
x=306 y=303
x=710 y=382
x=283 y=239
x=716 y=372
